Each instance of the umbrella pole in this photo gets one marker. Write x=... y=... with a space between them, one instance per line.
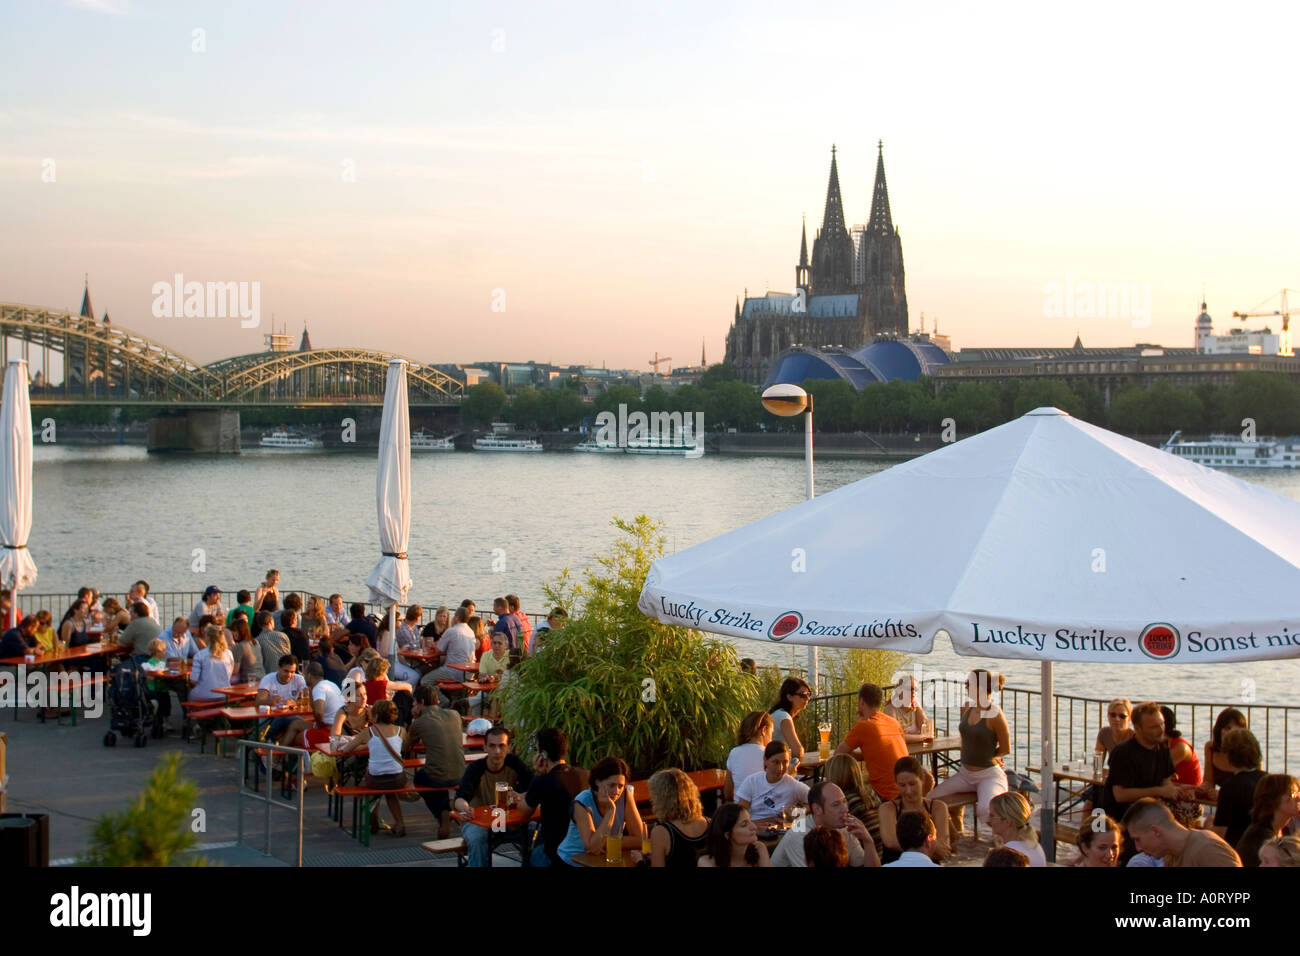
x=392 y=634
x=808 y=487
x=1048 y=764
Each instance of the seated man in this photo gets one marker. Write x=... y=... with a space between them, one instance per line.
x=20 y=640
x=552 y=790
x=273 y=644
x=1141 y=767
x=829 y=809
x=209 y=604
x=298 y=644
x=336 y=615
x=326 y=702
x=916 y=836
x=1152 y=826
x=408 y=639
x=457 y=646
x=360 y=624
x=141 y=632
x=764 y=794
x=440 y=732
x=335 y=670
x=244 y=602
x=879 y=738
x=178 y=642
x=478 y=789
x=282 y=684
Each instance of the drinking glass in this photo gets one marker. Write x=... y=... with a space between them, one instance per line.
x=824 y=741
x=503 y=793
x=613 y=849
x=645 y=841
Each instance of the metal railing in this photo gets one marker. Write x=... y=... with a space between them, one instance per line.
x=174 y=604
x=266 y=795
x=1075 y=725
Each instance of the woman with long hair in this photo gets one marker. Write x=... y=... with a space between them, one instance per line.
x=905 y=707
x=385 y=771
x=1099 y=841
x=985 y=738
x=733 y=839
x=482 y=639
x=435 y=628
x=909 y=777
x=246 y=654
x=72 y=629
x=1216 y=767
x=1235 y=810
x=680 y=837
x=313 y=619
x=791 y=700
x=1009 y=819
x=1284 y=851
x=746 y=757
x=1276 y=814
x=211 y=667
x=850 y=775
x=268 y=589
x=606 y=809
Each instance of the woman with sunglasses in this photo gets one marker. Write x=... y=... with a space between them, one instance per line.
x=791 y=701
x=1118 y=729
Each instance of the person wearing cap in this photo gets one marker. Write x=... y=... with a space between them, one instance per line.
x=211 y=604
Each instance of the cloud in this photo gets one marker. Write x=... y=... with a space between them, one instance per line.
x=98 y=6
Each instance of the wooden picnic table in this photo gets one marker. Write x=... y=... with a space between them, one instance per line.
x=485 y=816
x=71 y=654
x=237 y=690
x=628 y=858
x=480 y=687
x=465 y=668
x=250 y=712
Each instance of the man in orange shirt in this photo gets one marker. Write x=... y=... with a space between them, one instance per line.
x=879 y=737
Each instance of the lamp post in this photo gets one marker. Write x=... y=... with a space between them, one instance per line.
x=788 y=401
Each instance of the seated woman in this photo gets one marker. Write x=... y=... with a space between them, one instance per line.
x=850 y=775
x=385 y=771
x=1235 y=809
x=246 y=654
x=1276 y=814
x=985 y=738
x=791 y=700
x=359 y=651
x=1099 y=842
x=680 y=837
x=606 y=809
x=1009 y=816
x=313 y=619
x=492 y=666
x=1118 y=730
x=378 y=686
x=72 y=629
x=905 y=707
x=732 y=839
x=746 y=758
x=824 y=847
x=116 y=618
x=1215 y=766
x=211 y=667
x=909 y=777
x=482 y=639
x=45 y=636
x=1284 y=851
x=1187 y=770
x=765 y=794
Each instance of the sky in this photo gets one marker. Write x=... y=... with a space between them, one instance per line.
x=596 y=183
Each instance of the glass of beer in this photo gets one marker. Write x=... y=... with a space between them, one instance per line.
x=614 y=849
x=645 y=841
x=824 y=741
x=503 y=794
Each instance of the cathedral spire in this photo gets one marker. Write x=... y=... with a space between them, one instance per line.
x=880 y=220
x=801 y=270
x=86 y=311
x=833 y=217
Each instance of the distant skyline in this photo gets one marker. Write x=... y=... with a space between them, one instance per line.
x=622 y=175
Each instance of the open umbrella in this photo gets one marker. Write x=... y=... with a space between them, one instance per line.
x=17 y=569
x=1045 y=538
x=390 y=578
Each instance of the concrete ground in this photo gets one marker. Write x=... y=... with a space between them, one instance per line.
x=68 y=773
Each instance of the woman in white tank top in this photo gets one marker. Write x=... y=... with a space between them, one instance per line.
x=385 y=771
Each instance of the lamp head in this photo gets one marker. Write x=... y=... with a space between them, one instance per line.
x=786 y=400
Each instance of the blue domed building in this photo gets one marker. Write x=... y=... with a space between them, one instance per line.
x=884 y=360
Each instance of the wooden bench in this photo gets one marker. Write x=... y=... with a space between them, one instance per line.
x=960 y=801
x=73 y=687
x=1067 y=828
x=455 y=845
x=363 y=801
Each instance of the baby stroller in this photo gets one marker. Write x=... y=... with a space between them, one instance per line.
x=131 y=709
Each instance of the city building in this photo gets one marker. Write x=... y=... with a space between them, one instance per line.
x=1240 y=341
x=847 y=294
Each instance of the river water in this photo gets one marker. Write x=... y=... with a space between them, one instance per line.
x=107 y=516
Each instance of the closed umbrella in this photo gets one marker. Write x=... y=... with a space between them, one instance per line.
x=390 y=578
x=17 y=569
x=1046 y=538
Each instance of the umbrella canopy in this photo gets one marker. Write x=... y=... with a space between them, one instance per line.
x=1046 y=538
x=17 y=569
x=390 y=579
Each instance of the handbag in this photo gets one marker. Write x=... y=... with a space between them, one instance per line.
x=406 y=797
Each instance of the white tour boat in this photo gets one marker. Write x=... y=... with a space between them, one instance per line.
x=422 y=442
x=497 y=443
x=654 y=445
x=1233 y=451
x=290 y=441
x=593 y=447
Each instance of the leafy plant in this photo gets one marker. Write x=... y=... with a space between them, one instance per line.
x=154 y=829
x=622 y=684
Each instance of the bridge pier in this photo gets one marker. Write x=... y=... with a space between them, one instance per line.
x=207 y=431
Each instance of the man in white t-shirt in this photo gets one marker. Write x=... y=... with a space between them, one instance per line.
x=140 y=592
x=282 y=684
x=764 y=794
x=916 y=835
x=457 y=646
x=829 y=809
x=326 y=701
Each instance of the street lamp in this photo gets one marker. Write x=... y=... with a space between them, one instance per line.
x=788 y=401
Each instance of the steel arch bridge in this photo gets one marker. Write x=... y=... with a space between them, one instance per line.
x=110 y=365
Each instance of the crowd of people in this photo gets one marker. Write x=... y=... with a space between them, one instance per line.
x=870 y=804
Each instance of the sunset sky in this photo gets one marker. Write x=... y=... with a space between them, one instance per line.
x=623 y=172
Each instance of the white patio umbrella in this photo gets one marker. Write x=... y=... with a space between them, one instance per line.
x=1046 y=539
x=390 y=578
x=17 y=569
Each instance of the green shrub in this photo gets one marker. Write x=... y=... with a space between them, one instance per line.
x=154 y=829
x=619 y=683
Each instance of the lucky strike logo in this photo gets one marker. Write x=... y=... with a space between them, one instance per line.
x=1159 y=641
x=785 y=625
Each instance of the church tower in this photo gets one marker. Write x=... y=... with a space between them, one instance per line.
x=801 y=280
x=832 y=252
x=880 y=260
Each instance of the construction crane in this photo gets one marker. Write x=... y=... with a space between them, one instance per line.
x=655 y=362
x=1284 y=312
